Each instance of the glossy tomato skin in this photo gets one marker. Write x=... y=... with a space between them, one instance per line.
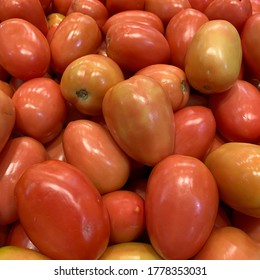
x=139 y=116
x=91 y=148
x=25 y=55
x=85 y=40
x=68 y=208
x=179 y=33
x=40 y=109
x=213 y=59
x=134 y=45
x=235 y=166
x=237 y=112
x=18 y=154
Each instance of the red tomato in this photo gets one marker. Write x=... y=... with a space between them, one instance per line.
x=172 y=79
x=116 y=6
x=77 y=35
x=179 y=33
x=54 y=19
x=251 y=44
x=61 y=6
x=40 y=109
x=237 y=112
x=166 y=9
x=200 y=5
x=255 y=6
x=55 y=148
x=25 y=55
x=195 y=129
x=94 y=8
x=134 y=45
x=72 y=221
x=90 y=147
x=229 y=243
x=139 y=116
x=126 y=215
x=18 y=154
x=181 y=212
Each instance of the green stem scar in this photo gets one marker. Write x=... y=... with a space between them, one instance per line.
x=82 y=94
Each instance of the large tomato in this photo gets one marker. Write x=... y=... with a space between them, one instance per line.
x=181 y=205
x=213 y=59
x=139 y=115
x=24 y=50
x=62 y=212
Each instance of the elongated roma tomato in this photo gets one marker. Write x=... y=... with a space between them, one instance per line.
x=181 y=206
x=213 y=59
x=235 y=166
x=139 y=115
x=62 y=212
x=91 y=148
x=26 y=54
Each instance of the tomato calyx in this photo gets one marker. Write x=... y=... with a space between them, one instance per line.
x=82 y=94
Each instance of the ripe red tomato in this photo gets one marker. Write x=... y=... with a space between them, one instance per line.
x=71 y=220
x=200 y=5
x=40 y=109
x=25 y=55
x=255 y=6
x=116 y=6
x=181 y=206
x=139 y=116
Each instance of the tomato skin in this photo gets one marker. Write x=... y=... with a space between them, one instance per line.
x=75 y=44
x=25 y=55
x=61 y=6
x=235 y=167
x=148 y=137
x=69 y=206
x=133 y=45
x=255 y=6
x=179 y=33
x=55 y=148
x=213 y=59
x=237 y=112
x=190 y=214
x=98 y=155
x=40 y=109
x=116 y=6
x=200 y=5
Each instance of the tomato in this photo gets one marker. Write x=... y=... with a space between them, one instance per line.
x=90 y=147
x=237 y=112
x=235 y=166
x=69 y=210
x=24 y=50
x=121 y=204
x=138 y=185
x=200 y=5
x=94 y=8
x=31 y=11
x=236 y=12
x=7 y=118
x=86 y=80
x=18 y=154
x=45 y=4
x=217 y=142
x=179 y=33
x=61 y=6
x=53 y=19
x=223 y=218
x=130 y=251
x=76 y=35
x=166 y=9
x=116 y=6
x=172 y=79
x=148 y=136
x=195 y=129
x=19 y=253
x=55 y=148
x=229 y=243
x=141 y=16
x=133 y=45
x=255 y=6
x=181 y=213
x=251 y=43
x=213 y=59
x=6 y=88
x=40 y=109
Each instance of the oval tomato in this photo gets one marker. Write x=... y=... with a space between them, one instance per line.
x=139 y=116
x=25 y=55
x=187 y=198
x=67 y=206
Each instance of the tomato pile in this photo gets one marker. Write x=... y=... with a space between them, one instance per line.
x=129 y=129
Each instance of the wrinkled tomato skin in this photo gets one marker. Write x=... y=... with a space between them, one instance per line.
x=25 y=55
x=18 y=154
x=236 y=112
x=195 y=129
x=179 y=32
x=116 y=6
x=134 y=45
x=188 y=197
x=67 y=206
x=91 y=148
x=40 y=109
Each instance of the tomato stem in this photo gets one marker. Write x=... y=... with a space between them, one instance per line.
x=82 y=94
